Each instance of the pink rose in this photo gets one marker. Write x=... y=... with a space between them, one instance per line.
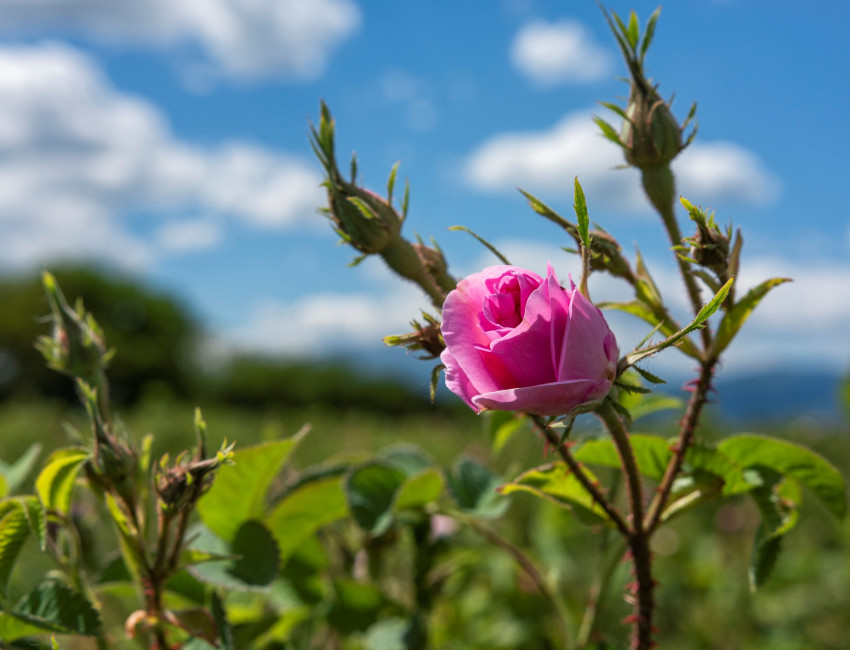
x=517 y=342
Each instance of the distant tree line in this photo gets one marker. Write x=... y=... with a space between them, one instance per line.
x=158 y=342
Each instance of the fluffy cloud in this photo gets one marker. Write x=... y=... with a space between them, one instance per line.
x=242 y=39
x=318 y=323
x=75 y=154
x=559 y=52
x=548 y=160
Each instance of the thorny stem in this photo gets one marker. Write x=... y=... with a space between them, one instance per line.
x=686 y=436
x=638 y=537
x=532 y=571
x=575 y=467
x=659 y=185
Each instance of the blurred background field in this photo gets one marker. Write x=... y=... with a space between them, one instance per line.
x=704 y=599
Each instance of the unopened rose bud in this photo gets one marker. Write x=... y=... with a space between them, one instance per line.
x=651 y=135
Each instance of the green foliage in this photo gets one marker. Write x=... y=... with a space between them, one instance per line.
x=13 y=475
x=56 y=480
x=556 y=483
x=474 y=489
x=370 y=490
x=240 y=490
x=155 y=334
x=741 y=311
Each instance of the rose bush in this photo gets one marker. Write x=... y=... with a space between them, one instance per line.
x=517 y=342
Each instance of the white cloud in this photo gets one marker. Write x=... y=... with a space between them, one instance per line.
x=76 y=154
x=548 y=161
x=314 y=324
x=559 y=52
x=190 y=235
x=413 y=95
x=242 y=39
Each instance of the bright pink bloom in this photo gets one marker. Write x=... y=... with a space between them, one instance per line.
x=517 y=342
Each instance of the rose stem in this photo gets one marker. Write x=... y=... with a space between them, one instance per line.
x=638 y=538
x=686 y=436
x=575 y=467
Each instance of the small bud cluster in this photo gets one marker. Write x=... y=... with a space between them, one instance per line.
x=181 y=484
x=711 y=248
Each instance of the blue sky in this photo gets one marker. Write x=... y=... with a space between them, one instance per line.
x=169 y=140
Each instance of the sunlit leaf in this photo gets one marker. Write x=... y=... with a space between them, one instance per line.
x=239 y=491
x=556 y=483
x=14 y=531
x=304 y=510
x=652 y=454
x=735 y=317
x=56 y=481
x=790 y=459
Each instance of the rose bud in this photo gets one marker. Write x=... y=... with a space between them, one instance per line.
x=517 y=342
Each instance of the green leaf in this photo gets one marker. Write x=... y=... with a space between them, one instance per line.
x=652 y=454
x=648 y=404
x=420 y=489
x=705 y=458
x=225 y=633
x=556 y=483
x=36 y=518
x=474 y=489
x=795 y=461
x=56 y=607
x=708 y=309
x=580 y=206
x=608 y=131
x=735 y=317
x=239 y=491
x=370 y=490
x=259 y=555
x=649 y=32
x=249 y=563
x=12 y=476
x=410 y=459
x=355 y=606
x=4 y=488
x=56 y=481
x=391 y=183
x=777 y=500
x=397 y=634
x=632 y=32
x=14 y=530
x=487 y=245
x=304 y=510
x=501 y=426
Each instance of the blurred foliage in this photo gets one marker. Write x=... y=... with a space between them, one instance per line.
x=486 y=600
x=155 y=333
x=160 y=346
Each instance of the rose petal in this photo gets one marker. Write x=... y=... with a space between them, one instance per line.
x=558 y=398
x=527 y=352
x=463 y=336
